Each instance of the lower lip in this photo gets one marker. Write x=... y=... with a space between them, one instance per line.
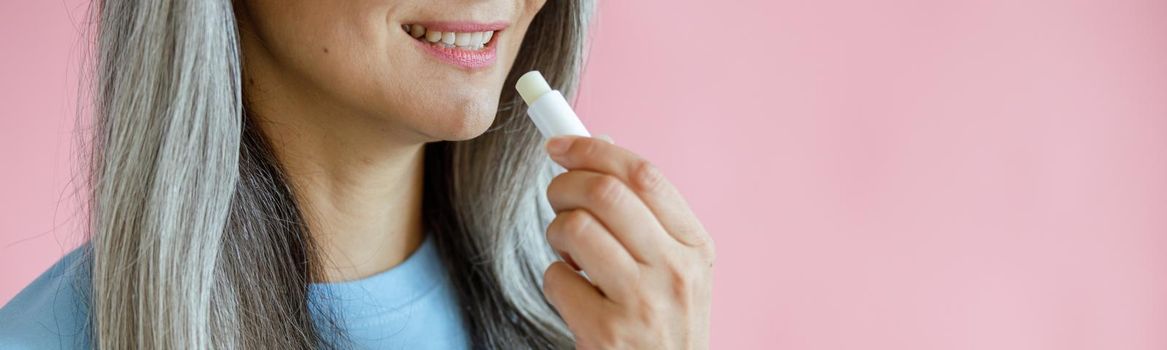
x=469 y=59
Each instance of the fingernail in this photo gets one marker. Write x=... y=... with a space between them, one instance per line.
x=606 y=138
x=558 y=145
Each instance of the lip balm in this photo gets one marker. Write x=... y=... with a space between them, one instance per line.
x=548 y=108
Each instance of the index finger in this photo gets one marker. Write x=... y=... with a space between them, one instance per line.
x=674 y=214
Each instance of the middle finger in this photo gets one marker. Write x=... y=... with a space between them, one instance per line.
x=615 y=205
x=577 y=235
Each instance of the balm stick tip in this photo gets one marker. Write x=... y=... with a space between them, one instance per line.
x=531 y=86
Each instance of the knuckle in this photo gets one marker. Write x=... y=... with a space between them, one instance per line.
x=681 y=277
x=551 y=283
x=568 y=228
x=565 y=226
x=609 y=335
x=555 y=182
x=555 y=190
x=647 y=176
x=682 y=282
x=605 y=190
x=653 y=310
x=582 y=147
x=576 y=222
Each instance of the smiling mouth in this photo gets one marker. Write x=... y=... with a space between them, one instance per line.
x=469 y=40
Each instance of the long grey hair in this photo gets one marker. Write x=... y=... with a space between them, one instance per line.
x=197 y=240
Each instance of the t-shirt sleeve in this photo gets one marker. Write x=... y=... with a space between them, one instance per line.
x=53 y=311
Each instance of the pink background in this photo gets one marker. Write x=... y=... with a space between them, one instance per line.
x=878 y=174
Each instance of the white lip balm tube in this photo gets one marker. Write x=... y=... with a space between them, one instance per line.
x=547 y=108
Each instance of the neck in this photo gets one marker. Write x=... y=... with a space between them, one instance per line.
x=360 y=188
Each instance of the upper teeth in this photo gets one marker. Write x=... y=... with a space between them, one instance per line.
x=471 y=40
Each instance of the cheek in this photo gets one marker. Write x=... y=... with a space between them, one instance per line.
x=341 y=52
x=316 y=44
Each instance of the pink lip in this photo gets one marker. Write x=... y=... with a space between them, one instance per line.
x=463 y=58
x=469 y=59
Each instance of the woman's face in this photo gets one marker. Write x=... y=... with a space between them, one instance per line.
x=386 y=60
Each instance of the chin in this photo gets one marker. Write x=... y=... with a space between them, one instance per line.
x=458 y=122
x=470 y=128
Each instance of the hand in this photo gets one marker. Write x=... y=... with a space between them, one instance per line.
x=648 y=260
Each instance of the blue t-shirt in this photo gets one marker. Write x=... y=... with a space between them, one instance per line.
x=411 y=306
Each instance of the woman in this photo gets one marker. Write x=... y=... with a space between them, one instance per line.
x=358 y=174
